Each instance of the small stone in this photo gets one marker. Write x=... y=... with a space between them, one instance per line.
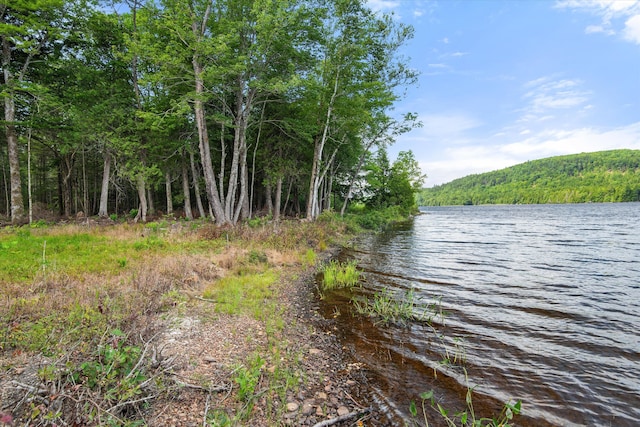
x=307 y=408
x=321 y=396
x=292 y=407
x=315 y=351
x=343 y=410
x=351 y=383
x=319 y=411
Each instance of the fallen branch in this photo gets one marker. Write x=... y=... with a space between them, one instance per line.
x=344 y=417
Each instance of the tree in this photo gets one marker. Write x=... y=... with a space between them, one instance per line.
x=26 y=27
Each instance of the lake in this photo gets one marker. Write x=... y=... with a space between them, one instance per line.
x=539 y=303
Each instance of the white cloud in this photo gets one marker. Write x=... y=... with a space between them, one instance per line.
x=456 y=161
x=381 y=5
x=631 y=30
x=545 y=96
x=447 y=126
x=611 y=13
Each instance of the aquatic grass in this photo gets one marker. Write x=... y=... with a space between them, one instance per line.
x=339 y=275
x=387 y=307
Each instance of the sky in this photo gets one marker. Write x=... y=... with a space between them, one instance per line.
x=504 y=82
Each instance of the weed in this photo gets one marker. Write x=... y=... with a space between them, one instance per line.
x=467 y=417
x=257 y=257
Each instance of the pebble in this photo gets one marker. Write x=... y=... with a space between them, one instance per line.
x=292 y=407
x=343 y=410
x=307 y=408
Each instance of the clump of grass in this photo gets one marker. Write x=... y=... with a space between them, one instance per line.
x=387 y=308
x=243 y=294
x=338 y=275
x=309 y=258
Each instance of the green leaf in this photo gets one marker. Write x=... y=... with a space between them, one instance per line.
x=427 y=395
x=413 y=409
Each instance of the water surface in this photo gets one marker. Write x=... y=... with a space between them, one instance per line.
x=542 y=304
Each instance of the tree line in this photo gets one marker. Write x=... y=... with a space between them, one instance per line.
x=605 y=176
x=221 y=108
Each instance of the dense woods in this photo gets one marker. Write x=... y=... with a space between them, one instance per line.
x=210 y=108
x=606 y=176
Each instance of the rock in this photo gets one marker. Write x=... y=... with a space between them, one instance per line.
x=315 y=351
x=292 y=407
x=321 y=396
x=307 y=408
x=319 y=411
x=343 y=410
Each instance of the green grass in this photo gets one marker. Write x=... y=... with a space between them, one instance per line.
x=23 y=255
x=338 y=275
x=243 y=294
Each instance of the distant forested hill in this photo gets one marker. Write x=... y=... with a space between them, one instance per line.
x=605 y=176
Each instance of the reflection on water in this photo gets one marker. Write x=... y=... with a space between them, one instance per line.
x=542 y=304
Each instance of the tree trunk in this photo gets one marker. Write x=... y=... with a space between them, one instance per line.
x=196 y=186
x=185 y=190
x=142 y=197
x=313 y=209
x=17 y=202
x=151 y=207
x=104 y=192
x=66 y=166
x=6 y=190
x=267 y=193
x=29 y=195
x=203 y=138
x=276 y=208
x=167 y=187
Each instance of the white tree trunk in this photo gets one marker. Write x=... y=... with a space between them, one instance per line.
x=104 y=192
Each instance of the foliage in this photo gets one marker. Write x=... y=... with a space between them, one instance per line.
x=606 y=176
x=294 y=94
x=393 y=184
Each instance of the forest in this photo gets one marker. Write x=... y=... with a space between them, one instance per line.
x=223 y=109
x=605 y=176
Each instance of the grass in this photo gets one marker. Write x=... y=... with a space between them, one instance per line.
x=86 y=297
x=386 y=307
x=339 y=275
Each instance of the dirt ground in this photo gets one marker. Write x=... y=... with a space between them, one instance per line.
x=330 y=385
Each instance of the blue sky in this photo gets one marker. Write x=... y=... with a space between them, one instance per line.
x=503 y=82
